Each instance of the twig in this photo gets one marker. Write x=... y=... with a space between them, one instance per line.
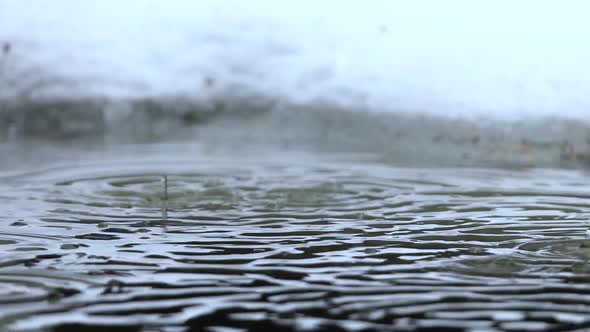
x=3 y=57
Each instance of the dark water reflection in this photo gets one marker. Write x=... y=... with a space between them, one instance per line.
x=291 y=244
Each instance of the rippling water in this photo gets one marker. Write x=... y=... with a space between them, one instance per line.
x=281 y=241
x=412 y=168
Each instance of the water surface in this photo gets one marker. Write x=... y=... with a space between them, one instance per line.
x=271 y=240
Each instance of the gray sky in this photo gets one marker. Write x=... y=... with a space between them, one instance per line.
x=524 y=57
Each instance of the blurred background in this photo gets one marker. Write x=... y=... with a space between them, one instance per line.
x=505 y=80
x=496 y=59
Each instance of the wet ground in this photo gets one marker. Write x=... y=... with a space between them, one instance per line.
x=288 y=241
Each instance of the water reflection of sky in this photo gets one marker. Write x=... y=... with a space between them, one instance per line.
x=287 y=239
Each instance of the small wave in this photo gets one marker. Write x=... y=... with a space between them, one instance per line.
x=294 y=244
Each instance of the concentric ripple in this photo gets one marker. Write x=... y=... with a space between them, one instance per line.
x=147 y=244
